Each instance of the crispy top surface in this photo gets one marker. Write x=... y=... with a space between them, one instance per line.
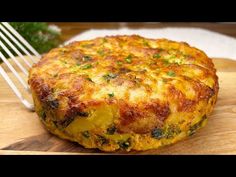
x=140 y=75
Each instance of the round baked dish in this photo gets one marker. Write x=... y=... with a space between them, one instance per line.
x=124 y=92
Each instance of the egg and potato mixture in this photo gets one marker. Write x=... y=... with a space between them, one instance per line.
x=124 y=92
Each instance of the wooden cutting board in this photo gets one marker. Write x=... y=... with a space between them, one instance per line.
x=21 y=132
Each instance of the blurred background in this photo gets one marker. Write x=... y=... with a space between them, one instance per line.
x=71 y=29
x=216 y=39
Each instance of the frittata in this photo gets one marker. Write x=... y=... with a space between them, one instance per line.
x=124 y=92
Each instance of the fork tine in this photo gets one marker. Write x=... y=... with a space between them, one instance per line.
x=10 y=28
x=15 y=90
x=11 y=39
x=15 y=49
x=13 y=58
x=17 y=43
x=14 y=71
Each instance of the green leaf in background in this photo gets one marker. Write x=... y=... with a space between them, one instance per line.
x=41 y=36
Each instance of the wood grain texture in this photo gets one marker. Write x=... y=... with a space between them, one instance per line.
x=21 y=132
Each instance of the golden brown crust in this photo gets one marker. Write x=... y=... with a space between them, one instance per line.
x=147 y=82
x=142 y=117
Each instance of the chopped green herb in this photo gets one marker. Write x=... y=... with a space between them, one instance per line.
x=55 y=75
x=65 y=123
x=164 y=80
x=86 y=58
x=83 y=114
x=145 y=43
x=55 y=123
x=160 y=49
x=166 y=62
x=177 y=62
x=100 y=52
x=194 y=127
x=167 y=132
x=124 y=144
x=87 y=45
x=69 y=118
x=104 y=40
x=157 y=133
x=172 y=130
x=86 y=66
x=42 y=114
x=102 y=140
x=89 y=79
x=109 y=76
x=52 y=102
x=171 y=73
x=187 y=56
x=111 y=95
x=156 y=55
x=119 y=63
x=111 y=130
x=78 y=64
x=128 y=59
x=86 y=134
x=64 y=62
x=172 y=56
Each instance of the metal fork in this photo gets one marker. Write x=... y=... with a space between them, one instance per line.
x=25 y=52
